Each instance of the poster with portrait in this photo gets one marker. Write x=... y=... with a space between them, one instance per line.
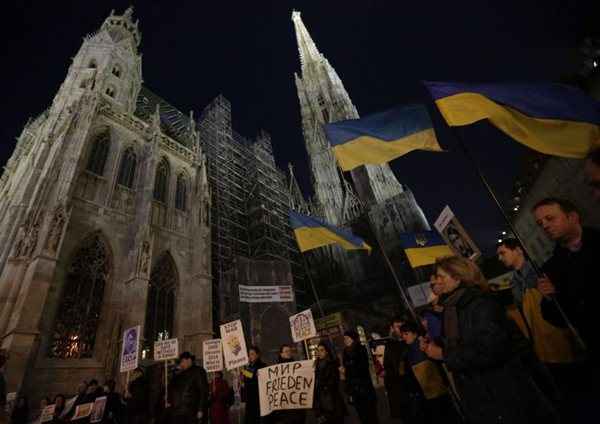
x=98 y=410
x=47 y=414
x=234 y=344
x=82 y=411
x=130 y=349
x=455 y=235
x=303 y=326
x=212 y=351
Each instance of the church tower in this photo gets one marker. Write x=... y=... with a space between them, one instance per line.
x=324 y=99
x=104 y=224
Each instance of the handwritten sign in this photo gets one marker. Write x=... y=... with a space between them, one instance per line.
x=234 y=344
x=98 y=410
x=289 y=385
x=82 y=411
x=303 y=326
x=213 y=355
x=420 y=294
x=130 y=349
x=47 y=414
x=166 y=349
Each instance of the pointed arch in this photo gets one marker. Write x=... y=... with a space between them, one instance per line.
x=161 y=181
x=78 y=317
x=160 y=309
x=99 y=153
x=127 y=168
x=181 y=191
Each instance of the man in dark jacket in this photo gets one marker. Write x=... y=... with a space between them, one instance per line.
x=188 y=393
x=394 y=363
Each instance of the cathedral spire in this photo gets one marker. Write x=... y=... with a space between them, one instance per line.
x=306 y=46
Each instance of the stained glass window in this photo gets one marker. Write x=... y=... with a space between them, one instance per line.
x=181 y=193
x=78 y=316
x=160 y=312
x=98 y=154
x=127 y=168
x=161 y=181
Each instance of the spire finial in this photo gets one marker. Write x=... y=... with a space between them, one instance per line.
x=306 y=46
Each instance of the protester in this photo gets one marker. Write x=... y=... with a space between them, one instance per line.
x=395 y=375
x=45 y=401
x=221 y=399
x=188 y=393
x=250 y=385
x=287 y=416
x=20 y=413
x=328 y=404
x=137 y=398
x=492 y=383
x=592 y=172
x=359 y=387
x=59 y=408
x=114 y=407
x=93 y=391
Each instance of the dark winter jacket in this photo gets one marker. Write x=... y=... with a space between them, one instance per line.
x=188 y=393
x=328 y=400
x=359 y=385
x=287 y=416
x=250 y=391
x=575 y=277
x=480 y=352
x=139 y=403
x=394 y=363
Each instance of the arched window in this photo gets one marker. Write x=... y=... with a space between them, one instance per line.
x=92 y=64
x=116 y=71
x=160 y=311
x=181 y=193
x=98 y=154
x=111 y=92
x=127 y=168
x=78 y=316
x=161 y=181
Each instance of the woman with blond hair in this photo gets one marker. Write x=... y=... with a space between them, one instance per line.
x=479 y=348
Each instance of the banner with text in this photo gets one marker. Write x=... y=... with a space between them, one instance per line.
x=303 y=326
x=234 y=344
x=212 y=351
x=264 y=294
x=288 y=385
x=130 y=349
x=455 y=235
x=166 y=349
x=420 y=294
x=47 y=414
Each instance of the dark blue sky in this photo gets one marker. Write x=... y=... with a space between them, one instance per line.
x=194 y=50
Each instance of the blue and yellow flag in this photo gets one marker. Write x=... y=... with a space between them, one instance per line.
x=382 y=137
x=553 y=119
x=424 y=248
x=312 y=233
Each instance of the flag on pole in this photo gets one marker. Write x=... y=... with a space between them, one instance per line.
x=553 y=119
x=312 y=233
x=382 y=137
x=424 y=248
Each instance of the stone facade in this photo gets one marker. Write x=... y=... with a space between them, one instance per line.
x=104 y=214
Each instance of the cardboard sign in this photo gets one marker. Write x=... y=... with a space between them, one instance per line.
x=234 y=345
x=82 y=411
x=212 y=351
x=455 y=235
x=130 y=349
x=47 y=414
x=98 y=410
x=166 y=349
x=264 y=294
x=303 y=326
x=421 y=294
x=289 y=385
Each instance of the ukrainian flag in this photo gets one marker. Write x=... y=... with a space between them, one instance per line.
x=312 y=233
x=553 y=119
x=424 y=248
x=382 y=137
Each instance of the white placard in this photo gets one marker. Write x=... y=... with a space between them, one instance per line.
x=212 y=352
x=47 y=414
x=264 y=294
x=289 y=385
x=234 y=345
x=98 y=410
x=421 y=294
x=303 y=326
x=166 y=349
x=130 y=349
x=82 y=411
x=11 y=397
x=455 y=235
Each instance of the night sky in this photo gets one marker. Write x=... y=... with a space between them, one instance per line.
x=246 y=50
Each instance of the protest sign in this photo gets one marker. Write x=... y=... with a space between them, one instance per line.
x=47 y=414
x=455 y=235
x=288 y=385
x=98 y=410
x=420 y=294
x=262 y=294
x=212 y=351
x=303 y=326
x=234 y=344
x=130 y=349
x=166 y=349
x=82 y=411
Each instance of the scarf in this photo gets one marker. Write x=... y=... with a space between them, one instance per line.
x=451 y=332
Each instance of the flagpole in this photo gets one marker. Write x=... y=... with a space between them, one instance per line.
x=508 y=221
x=312 y=285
